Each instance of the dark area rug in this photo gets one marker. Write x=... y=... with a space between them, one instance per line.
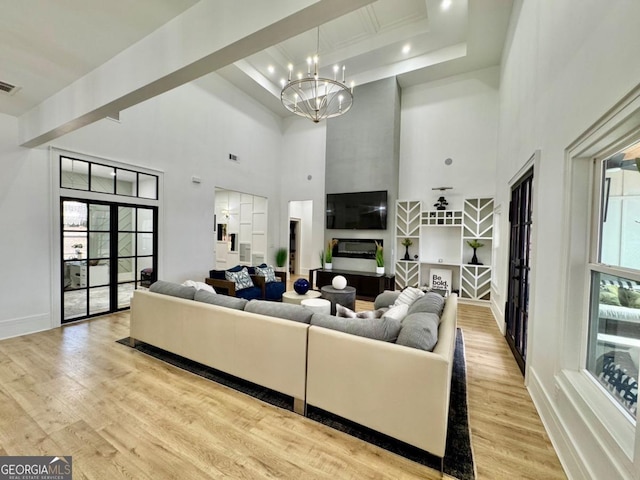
x=458 y=460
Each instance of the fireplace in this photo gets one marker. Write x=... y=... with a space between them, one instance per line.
x=356 y=247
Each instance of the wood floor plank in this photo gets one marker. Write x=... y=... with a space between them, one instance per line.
x=123 y=414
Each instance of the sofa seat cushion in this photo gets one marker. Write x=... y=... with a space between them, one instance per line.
x=250 y=293
x=274 y=290
x=385 y=329
x=419 y=330
x=173 y=289
x=430 y=302
x=286 y=311
x=220 y=300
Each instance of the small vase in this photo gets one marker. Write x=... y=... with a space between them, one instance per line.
x=328 y=266
x=406 y=253
x=379 y=270
x=474 y=259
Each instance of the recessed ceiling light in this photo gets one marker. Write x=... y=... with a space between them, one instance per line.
x=445 y=4
x=283 y=82
x=271 y=69
x=406 y=49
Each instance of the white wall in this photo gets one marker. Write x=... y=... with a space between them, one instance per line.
x=455 y=118
x=565 y=64
x=188 y=131
x=25 y=299
x=191 y=131
x=303 y=155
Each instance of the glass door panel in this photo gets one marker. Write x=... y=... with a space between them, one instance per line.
x=107 y=252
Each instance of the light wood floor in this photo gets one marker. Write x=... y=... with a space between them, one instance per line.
x=121 y=414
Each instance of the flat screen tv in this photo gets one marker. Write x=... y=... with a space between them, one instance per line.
x=357 y=211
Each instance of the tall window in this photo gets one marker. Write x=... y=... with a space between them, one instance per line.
x=614 y=331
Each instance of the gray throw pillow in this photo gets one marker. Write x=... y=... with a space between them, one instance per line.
x=419 y=330
x=220 y=300
x=385 y=329
x=386 y=299
x=286 y=311
x=430 y=302
x=173 y=289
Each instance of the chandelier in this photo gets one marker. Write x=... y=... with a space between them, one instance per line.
x=316 y=97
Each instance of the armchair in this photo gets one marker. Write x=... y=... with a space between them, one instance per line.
x=261 y=289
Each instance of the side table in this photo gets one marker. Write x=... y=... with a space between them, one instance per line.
x=293 y=297
x=345 y=297
x=319 y=305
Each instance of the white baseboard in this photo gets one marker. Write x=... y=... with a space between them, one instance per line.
x=16 y=327
x=581 y=449
x=498 y=314
x=558 y=433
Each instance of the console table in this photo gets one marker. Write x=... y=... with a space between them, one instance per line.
x=368 y=285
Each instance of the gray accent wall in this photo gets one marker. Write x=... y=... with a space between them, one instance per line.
x=362 y=154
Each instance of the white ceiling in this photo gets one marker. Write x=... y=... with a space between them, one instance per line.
x=46 y=45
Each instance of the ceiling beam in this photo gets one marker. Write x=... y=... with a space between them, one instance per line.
x=208 y=36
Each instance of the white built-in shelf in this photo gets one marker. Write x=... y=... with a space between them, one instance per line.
x=440 y=240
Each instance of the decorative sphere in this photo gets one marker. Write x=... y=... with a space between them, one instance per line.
x=339 y=282
x=301 y=286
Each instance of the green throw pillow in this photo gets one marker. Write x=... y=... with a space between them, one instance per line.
x=609 y=295
x=629 y=298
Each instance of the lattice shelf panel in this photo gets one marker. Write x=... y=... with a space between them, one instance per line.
x=408 y=219
x=407 y=274
x=478 y=218
x=475 y=282
x=442 y=218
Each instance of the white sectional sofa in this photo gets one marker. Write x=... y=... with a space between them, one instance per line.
x=397 y=390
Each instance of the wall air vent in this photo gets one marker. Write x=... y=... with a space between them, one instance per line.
x=8 y=88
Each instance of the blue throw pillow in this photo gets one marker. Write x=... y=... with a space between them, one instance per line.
x=241 y=278
x=268 y=274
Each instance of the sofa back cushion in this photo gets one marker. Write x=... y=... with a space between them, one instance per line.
x=419 y=330
x=430 y=302
x=286 y=311
x=385 y=329
x=220 y=300
x=173 y=289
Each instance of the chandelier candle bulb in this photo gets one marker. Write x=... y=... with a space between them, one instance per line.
x=314 y=96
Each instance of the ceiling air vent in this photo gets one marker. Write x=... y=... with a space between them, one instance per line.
x=8 y=88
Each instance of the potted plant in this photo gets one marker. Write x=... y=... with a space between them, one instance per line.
x=281 y=257
x=406 y=243
x=328 y=254
x=379 y=259
x=475 y=244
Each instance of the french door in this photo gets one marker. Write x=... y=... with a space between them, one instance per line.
x=107 y=251
x=517 y=307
